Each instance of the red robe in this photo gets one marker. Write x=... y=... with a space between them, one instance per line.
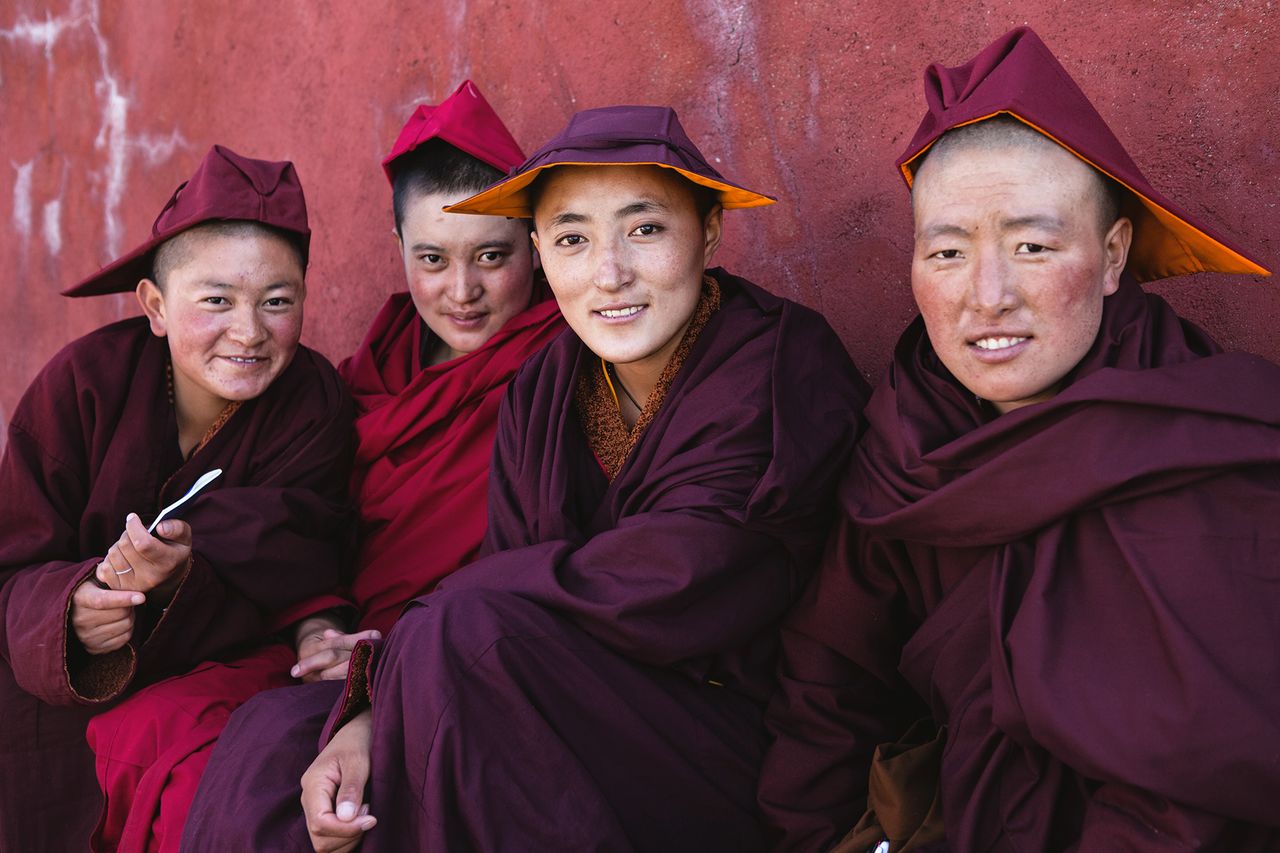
x=595 y=680
x=93 y=439
x=1083 y=591
x=424 y=441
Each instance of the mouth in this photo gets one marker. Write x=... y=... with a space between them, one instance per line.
x=620 y=313
x=246 y=360
x=995 y=349
x=468 y=319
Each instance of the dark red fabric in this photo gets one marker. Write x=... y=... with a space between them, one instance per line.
x=149 y=760
x=424 y=440
x=557 y=694
x=1017 y=74
x=1084 y=591
x=464 y=120
x=93 y=439
x=224 y=186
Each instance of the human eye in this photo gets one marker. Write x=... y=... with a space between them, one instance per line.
x=279 y=302
x=1030 y=249
x=431 y=259
x=216 y=300
x=492 y=257
x=648 y=229
x=570 y=240
x=946 y=254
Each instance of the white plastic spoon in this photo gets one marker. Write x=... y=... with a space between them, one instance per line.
x=204 y=480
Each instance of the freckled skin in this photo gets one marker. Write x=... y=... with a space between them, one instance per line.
x=652 y=258
x=478 y=269
x=1008 y=243
x=232 y=296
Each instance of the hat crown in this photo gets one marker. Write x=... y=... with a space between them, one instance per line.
x=466 y=121
x=1019 y=76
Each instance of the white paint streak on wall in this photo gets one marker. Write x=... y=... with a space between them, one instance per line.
x=22 y=200
x=52 y=226
x=815 y=97
x=113 y=137
x=459 y=51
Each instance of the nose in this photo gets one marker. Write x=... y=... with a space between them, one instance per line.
x=247 y=328
x=993 y=289
x=463 y=286
x=612 y=268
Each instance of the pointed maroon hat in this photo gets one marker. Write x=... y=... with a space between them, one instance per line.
x=1016 y=75
x=467 y=122
x=611 y=136
x=225 y=186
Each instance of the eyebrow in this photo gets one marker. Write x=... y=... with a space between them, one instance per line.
x=487 y=246
x=222 y=285
x=943 y=229
x=1051 y=223
x=643 y=206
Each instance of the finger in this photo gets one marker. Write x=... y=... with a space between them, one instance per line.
x=137 y=544
x=105 y=575
x=122 y=557
x=337 y=672
x=315 y=662
x=95 y=598
x=330 y=835
x=173 y=531
x=351 y=792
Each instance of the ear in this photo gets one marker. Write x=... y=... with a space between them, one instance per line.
x=1116 y=247
x=537 y=247
x=151 y=298
x=712 y=230
x=536 y=256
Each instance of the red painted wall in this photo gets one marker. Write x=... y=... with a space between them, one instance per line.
x=106 y=106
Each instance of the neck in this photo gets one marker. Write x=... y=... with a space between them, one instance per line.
x=641 y=377
x=195 y=413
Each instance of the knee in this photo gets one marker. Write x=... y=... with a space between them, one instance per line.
x=465 y=623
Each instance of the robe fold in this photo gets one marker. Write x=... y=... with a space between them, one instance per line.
x=94 y=438
x=595 y=680
x=424 y=437
x=1083 y=591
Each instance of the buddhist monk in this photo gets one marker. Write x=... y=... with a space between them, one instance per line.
x=662 y=477
x=427 y=381
x=97 y=599
x=1047 y=617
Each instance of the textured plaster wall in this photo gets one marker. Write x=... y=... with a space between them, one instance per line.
x=106 y=106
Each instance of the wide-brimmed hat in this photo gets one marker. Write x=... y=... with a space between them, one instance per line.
x=612 y=136
x=225 y=186
x=1018 y=76
x=467 y=122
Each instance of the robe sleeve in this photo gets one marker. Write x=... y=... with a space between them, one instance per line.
x=40 y=497
x=839 y=695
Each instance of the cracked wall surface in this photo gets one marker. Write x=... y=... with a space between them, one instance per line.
x=105 y=107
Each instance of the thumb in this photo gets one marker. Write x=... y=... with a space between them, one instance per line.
x=349 y=797
x=174 y=531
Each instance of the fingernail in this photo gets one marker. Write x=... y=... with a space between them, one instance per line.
x=294 y=671
x=137 y=599
x=376 y=635
x=346 y=811
x=131 y=516
x=367 y=823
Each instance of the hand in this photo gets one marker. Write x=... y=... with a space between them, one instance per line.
x=142 y=562
x=103 y=618
x=324 y=654
x=333 y=789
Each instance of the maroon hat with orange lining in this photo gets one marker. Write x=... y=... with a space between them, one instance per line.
x=1018 y=76
x=611 y=136
x=225 y=186
x=467 y=122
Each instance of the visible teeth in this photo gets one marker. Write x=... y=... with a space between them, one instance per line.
x=242 y=360
x=997 y=343
x=620 y=312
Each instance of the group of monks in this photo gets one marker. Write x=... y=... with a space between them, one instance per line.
x=592 y=545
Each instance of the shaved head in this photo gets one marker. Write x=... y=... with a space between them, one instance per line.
x=179 y=250
x=1006 y=132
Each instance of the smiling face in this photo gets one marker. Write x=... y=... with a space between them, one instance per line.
x=230 y=305
x=624 y=249
x=468 y=275
x=1012 y=264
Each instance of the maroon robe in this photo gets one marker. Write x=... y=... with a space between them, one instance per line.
x=93 y=439
x=596 y=680
x=1083 y=591
x=424 y=438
